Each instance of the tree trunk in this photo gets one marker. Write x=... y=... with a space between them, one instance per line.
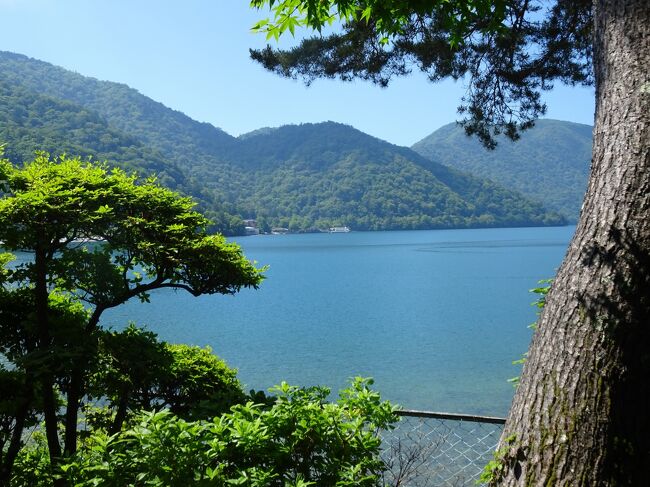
x=76 y=390
x=72 y=409
x=120 y=414
x=45 y=376
x=581 y=413
x=7 y=463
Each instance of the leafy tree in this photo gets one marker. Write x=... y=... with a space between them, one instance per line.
x=135 y=371
x=502 y=47
x=16 y=412
x=198 y=384
x=580 y=412
x=97 y=238
x=128 y=365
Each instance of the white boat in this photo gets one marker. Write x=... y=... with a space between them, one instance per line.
x=339 y=229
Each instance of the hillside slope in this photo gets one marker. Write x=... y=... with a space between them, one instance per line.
x=550 y=163
x=124 y=108
x=318 y=175
x=30 y=121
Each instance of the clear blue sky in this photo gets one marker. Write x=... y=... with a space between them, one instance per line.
x=192 y=56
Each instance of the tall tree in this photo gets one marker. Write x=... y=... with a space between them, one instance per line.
x=97 y=238
x=579 y=416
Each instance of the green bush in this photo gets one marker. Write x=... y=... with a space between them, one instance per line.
x=135 y=371
x=301 y=440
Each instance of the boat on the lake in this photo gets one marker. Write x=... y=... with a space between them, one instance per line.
x=339 y=229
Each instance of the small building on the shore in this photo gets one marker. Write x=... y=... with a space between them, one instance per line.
x=250 y=227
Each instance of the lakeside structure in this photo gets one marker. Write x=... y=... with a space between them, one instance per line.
x=250 y=227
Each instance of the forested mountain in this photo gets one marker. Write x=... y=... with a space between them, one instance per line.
x=550 y=163
x=317 y=175
x=301 y=177
x=172 y=132
x=30 y=121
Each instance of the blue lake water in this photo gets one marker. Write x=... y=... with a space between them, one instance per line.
x=436 y=317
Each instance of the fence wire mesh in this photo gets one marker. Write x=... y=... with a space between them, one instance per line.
x=439 y=449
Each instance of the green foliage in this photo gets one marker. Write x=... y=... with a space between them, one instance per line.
x=15 y=390
x=550 y=163
x=494 y=468
x=124 y=375
x=198 y=384
x=33 y=466
x=18 y=342
x=506 y=52
x=135 y=371
x=145 y=230
x=539 y=303
x=98 y=237
x=300 y=440
x=541 y=292
x=388 y=17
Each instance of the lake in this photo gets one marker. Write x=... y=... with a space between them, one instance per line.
x=435 y=317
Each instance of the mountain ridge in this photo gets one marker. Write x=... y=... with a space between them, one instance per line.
x=301 y=177
x=550 y=163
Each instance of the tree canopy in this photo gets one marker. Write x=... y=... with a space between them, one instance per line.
x=506 y=51
x=140 y=225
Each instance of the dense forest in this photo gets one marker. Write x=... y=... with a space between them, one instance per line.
x=331 y=173
x=304 y=178
x=549 y=164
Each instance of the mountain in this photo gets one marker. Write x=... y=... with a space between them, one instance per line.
x=30 y=120
x=34 y=117
x=319 y=175
x=259 y=131
x=301 y=177
x=172 y=132
x=550 y=163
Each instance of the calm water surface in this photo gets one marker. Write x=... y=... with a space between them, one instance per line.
x=436 y=317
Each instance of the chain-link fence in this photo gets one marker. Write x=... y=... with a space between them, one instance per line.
x=439 y=449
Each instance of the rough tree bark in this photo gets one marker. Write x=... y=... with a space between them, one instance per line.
x=581 y=413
